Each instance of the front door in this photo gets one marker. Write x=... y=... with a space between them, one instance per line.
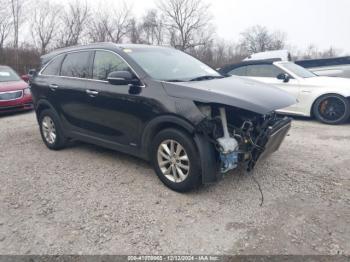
x=115 y=115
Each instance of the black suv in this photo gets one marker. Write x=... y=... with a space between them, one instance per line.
x=158 y=104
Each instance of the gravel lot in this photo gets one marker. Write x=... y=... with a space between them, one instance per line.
x=89 y=200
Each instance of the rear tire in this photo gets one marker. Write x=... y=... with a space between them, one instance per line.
x=51 y=130
x=332 y=109
x=176 y=160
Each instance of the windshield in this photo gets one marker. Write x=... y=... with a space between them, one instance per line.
x=170 y=64
x=7 y=74
x=298 y=70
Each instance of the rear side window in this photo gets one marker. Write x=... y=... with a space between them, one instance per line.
x=76 y=65
x=240 y=71
x=54 y=67
x=105 y=63
x=263 y=71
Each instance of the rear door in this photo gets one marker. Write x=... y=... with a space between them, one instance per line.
x=71 y=90
x=44 y=86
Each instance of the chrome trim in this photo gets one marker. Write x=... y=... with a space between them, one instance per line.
x=92 y=93
x=10 y=92
x=115 y=78
x=88 y=79
x=53 y=86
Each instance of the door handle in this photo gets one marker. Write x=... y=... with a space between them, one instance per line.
x=53 y=87
x=92 y=93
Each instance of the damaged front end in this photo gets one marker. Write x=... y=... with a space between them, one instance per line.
x=241 y=137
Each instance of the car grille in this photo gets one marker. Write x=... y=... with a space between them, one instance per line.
x=13 y=95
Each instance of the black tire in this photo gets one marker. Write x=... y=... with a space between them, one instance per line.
x=193 y=176
x=332 y=109
x=60 y=140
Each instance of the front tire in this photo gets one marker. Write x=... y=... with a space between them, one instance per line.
x=332 y=109
x=51 y=131
x=176 y=160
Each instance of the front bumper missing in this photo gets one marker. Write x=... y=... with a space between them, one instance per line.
x=273 y=139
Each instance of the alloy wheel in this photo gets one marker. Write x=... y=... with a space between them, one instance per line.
x=49 y=130
x=173 y=161
x=332 y=108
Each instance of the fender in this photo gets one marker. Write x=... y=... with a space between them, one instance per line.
x=209 y=162
x=157 y=124
x=42 y=103
x=206 y=150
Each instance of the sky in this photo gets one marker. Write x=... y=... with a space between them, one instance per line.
x=323 y=23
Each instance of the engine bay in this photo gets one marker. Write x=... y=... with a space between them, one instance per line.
x=241 y=136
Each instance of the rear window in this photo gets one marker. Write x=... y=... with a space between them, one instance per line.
x=54 y=67
x=76 y=65
x=8 y=75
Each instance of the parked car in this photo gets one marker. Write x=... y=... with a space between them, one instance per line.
x=283 y=55
x=335 y=67
x=161 y=105
x=15 y=93
x=326 y=98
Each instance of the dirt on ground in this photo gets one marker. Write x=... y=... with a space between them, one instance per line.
x=90 y=200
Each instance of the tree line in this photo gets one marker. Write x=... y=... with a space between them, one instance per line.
x=30 y=28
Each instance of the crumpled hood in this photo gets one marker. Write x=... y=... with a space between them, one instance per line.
x=233 y=91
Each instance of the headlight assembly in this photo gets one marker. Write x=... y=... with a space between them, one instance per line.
x=26 y=91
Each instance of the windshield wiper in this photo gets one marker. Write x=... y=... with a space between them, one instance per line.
x=207 y=77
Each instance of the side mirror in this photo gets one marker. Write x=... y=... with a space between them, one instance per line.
x=120 y=78
x=285 y=77
x=25 y=78
x=32 y=72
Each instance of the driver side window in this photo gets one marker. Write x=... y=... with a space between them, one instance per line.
x=105 y=63
x=263 y=70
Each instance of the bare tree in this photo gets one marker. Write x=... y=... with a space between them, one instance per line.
x=330 y=53
x=134 y=31
x=278 y=40
x=312 y=52
x=110 y=24
x=44 y=24
x=97 y=31
x=17 y=11
x=73 y=23
x=153 y=27
x=188 y=22
x=5 y=24
x=258 y=39
x=118 y=25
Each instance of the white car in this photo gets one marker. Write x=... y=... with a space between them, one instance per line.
x=326 y=98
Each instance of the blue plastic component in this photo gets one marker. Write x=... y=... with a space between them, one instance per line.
x=228 y=161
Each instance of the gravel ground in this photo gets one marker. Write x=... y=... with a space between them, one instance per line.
x=89 y=200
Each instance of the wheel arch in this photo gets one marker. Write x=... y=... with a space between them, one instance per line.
x=41 y=105
x=161 y=123
x=206 y=150
x=325 y=94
